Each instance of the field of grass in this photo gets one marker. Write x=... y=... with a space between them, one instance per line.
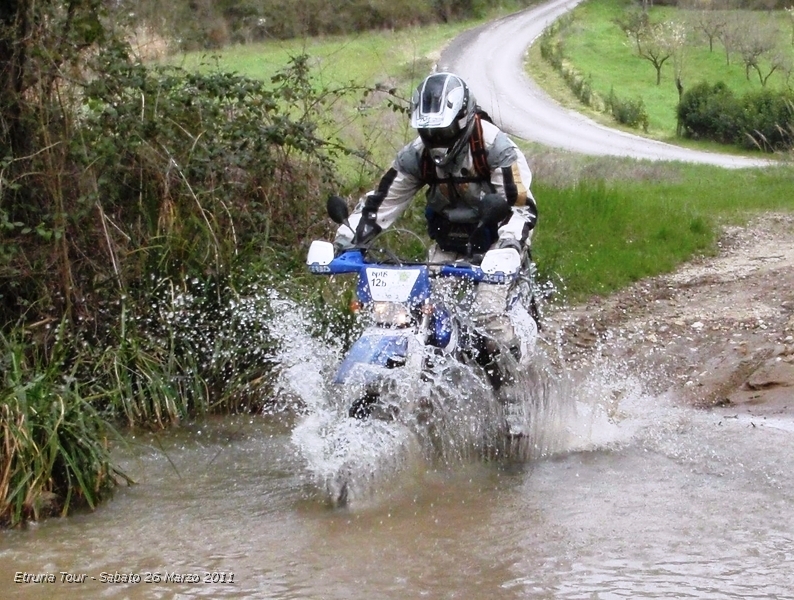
x=366 y=58
x=596 y=47
x=618 y=221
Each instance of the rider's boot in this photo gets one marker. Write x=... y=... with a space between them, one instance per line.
x=501 y=372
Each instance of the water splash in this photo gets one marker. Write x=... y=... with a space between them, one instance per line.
x=448 y=415
x=349 y=459
x=305 y=360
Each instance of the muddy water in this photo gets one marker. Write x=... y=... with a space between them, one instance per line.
x=645 y=500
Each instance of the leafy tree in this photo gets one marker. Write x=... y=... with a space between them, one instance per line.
x=43 y=51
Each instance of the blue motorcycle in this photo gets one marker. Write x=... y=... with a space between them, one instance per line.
x=409 y=327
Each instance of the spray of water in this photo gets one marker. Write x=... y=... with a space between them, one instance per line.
x=448 y=415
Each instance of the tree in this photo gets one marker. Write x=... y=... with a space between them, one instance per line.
x=755 y=43
x=15 y=27
x=43 y=47
x=40 y=43
x=710 y=23
x=655 y=42
x=729 y=35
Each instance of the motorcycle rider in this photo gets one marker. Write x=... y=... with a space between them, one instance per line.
x=461 y=156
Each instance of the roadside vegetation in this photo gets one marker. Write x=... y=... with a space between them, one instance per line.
x=379 y=69
x=608 y=222
x=150 y=213
x=211 y=24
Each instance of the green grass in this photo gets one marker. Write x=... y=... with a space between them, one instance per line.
x=54 y=451
x=366 y=58
x=596 y=47
x=396 y=60
x=599 y=235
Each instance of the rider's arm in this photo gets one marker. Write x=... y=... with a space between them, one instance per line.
x=391 y=198
x=511 y=178
x=394 y=194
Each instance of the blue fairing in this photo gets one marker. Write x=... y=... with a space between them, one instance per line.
x=476 y=274
x=373 y=349
x=442 y=327
x=348 y=262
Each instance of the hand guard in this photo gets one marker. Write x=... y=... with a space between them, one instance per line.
x=343 y=240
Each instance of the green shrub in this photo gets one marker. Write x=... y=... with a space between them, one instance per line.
x=551 y=48
x=762 y=119
x=767 y=120
x=54 y=447
x=709 y=111
x=628 y=112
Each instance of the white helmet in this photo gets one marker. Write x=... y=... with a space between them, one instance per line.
x=442 y=112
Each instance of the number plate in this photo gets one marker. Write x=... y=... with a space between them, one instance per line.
x=391 y=285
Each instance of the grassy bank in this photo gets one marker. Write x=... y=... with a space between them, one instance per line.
x=616 y=221
x=596 y=47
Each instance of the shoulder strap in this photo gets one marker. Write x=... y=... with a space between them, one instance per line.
x=428 y=168
x=478 y=152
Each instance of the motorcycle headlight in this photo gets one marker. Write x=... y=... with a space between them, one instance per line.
x=391 y=313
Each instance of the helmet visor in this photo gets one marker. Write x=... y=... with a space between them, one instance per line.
x=440 y=137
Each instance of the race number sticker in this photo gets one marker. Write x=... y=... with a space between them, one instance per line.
x=391 y=285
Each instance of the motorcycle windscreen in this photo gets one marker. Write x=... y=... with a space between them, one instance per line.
x=371 y=355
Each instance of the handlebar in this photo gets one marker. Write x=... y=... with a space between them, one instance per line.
x=497 y=266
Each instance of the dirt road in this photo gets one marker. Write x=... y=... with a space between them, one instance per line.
x=491 y=60
x=718 y=333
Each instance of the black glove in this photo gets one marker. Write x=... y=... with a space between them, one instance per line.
x=367 y=227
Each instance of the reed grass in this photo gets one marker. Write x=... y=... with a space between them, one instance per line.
x=54 y=446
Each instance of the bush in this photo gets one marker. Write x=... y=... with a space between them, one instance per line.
x=137 y=208
x=763 y=119
x=709 y=112
x=628 y=112
x=767 y=120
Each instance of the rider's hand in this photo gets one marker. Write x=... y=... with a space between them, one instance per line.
x=342 y=242
x=509 y=243
x=367 y=227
